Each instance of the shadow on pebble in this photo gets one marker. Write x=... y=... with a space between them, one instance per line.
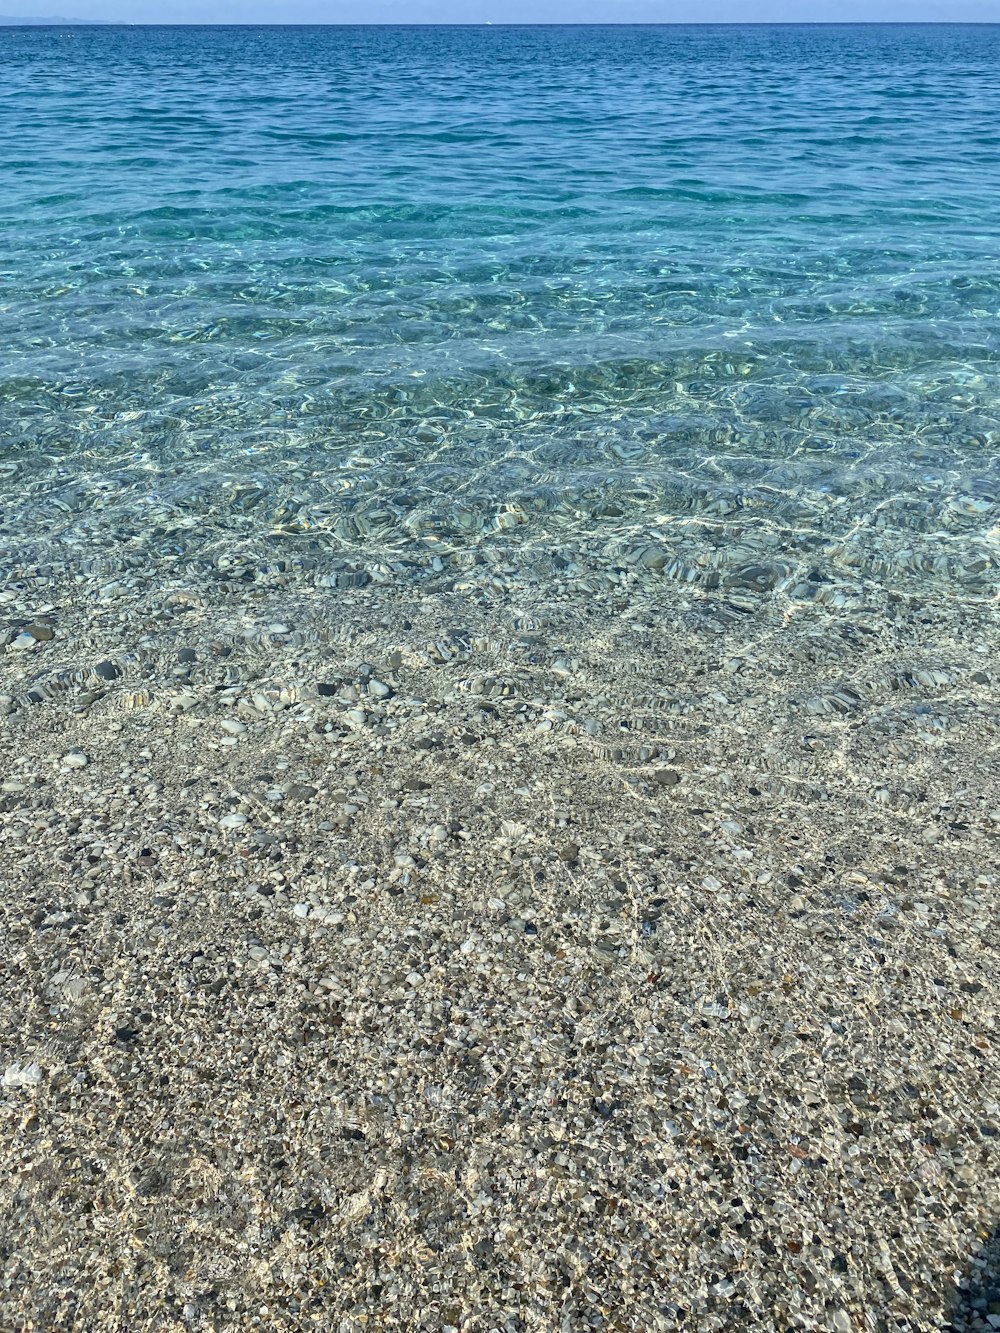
x=976 y=1303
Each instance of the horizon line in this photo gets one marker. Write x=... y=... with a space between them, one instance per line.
x=26 y=21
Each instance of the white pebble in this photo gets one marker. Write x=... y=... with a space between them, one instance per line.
x=22 y=1076
x=181 y=703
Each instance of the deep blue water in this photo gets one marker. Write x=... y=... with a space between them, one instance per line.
x=344 y=290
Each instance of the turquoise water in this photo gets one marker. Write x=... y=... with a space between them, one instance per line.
x=393 y=294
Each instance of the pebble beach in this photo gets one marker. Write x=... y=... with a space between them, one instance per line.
x=426 y=958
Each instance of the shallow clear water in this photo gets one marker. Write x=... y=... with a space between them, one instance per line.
x=724 y=299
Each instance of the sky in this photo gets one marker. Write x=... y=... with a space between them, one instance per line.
x=510 y=11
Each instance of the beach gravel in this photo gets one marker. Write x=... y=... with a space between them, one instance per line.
x=371 y=961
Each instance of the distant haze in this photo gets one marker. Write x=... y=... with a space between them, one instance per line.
x=509 y=11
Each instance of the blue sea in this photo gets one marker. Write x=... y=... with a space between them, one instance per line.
x=499 y=801
x=350 y=294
